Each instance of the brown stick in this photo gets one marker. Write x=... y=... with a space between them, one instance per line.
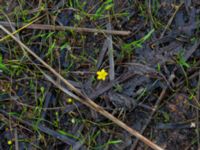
x=64 y=28
x=84 y=99
x=110 y=55
x=16 y=139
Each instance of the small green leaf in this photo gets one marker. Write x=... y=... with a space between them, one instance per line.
x=158 y=67
x=137 y=44
x=166 y=116
x=107 y=5
x=114 y=142
x=182 y=61
x=67 y=134
x=51 y=48
x=42 y=89
x=1 y=59
x=3 y=66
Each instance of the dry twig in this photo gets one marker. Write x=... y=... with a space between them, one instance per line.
x=110 y=54
x=65 y=28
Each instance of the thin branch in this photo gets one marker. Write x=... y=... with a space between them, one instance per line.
x=65 y=28
x=11 y=25
x=16 y=139
x=110 y=55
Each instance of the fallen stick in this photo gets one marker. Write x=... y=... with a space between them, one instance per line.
x=83 y=98
x=64 y=28
x=110 y=54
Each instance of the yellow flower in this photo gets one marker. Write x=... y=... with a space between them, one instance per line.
x=9 y=142
x=69 y=100
x=101 y=75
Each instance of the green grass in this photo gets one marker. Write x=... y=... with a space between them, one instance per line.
x=183 y=64
x=2 y=65
x=128 y=48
